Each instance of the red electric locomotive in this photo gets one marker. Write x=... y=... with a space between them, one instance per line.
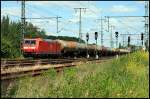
x=38 y=46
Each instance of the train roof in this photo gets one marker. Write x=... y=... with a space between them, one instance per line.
x=32 y=38
x=49 y=40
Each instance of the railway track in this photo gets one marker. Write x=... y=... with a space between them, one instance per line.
x=18 y=68
x=27 y=62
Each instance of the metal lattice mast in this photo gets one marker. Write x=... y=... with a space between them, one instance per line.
x=111 y=36
x=23 y=17
x=102 y=31
x=22 y=22
x=147 y=23
x=57 y=23
x=80 y=22
x=101 y=27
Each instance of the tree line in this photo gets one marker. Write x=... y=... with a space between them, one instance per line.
x=11 y=36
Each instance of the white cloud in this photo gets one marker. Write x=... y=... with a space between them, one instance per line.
x=35 y=15
x=14 y=11
x=74 y=20
x=140 y=2
x=134 y=25
x=92 y=11
x=65 y=4
x=122 y=9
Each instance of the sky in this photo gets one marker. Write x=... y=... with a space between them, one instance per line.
x=69 y=21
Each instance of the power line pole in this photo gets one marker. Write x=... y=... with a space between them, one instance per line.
x=23 y=17
x=22 y=22
x=107 y=19
x=101 y=20
x=147 y=24
x=108 y=23
x=102 y=31
x=111 y=36
x=57 y=22
x=123 y=40
x=80 y=23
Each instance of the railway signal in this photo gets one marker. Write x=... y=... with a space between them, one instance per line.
x=116 y=38
x=87 y=39
x=96 y=36
x=128 y=41
x=142 y=37
x=116 y=34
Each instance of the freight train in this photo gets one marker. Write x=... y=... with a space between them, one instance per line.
x=36 y=47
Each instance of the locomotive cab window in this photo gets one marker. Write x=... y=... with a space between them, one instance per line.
x=33 y=42
x=26 y=42
x=30 y=42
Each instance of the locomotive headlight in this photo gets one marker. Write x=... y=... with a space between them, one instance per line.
x=25 y=47
x=29 y=47
x=32 y=47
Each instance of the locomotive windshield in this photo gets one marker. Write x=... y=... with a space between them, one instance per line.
x=30 y=42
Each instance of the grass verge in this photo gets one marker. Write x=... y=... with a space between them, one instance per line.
x=125 y=77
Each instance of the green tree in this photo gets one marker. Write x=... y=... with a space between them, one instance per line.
x=11 y=36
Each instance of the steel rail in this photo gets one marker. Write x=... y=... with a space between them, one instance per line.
x=23 y=71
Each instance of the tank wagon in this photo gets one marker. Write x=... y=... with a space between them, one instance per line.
x=44 y=47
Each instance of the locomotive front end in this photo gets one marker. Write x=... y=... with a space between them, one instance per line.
x=29 y=47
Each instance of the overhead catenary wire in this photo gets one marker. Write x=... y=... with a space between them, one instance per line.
x=130 y=27
x=53 y=14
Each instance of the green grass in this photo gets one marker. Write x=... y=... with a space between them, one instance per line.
x=127 y=76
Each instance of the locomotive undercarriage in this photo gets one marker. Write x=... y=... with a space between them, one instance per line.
x=70 y=53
